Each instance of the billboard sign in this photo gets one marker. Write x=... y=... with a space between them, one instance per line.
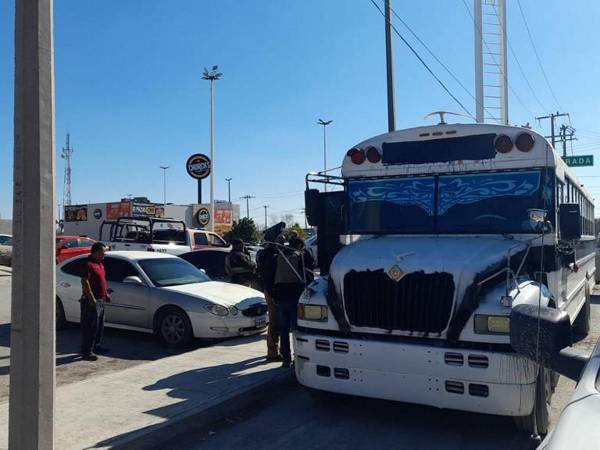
x=198 y=166
x=118 y=209
x=203 y=216
x=76 y=213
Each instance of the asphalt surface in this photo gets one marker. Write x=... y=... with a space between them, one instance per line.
x=292 y=418
x=127 y=348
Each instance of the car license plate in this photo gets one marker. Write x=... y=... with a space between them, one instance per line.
x=259 y=323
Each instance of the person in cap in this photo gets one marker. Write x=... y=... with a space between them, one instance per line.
x=95 y=294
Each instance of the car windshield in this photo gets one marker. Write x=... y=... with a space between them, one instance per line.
x=501 y=202
x=171 y=272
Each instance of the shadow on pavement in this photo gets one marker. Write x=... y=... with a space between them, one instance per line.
x=196 y=387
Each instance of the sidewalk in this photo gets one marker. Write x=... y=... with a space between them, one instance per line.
x=113 y=409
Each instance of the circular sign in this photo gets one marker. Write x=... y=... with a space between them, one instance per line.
x=97 y=214
x=203 y=216
x=198 y=166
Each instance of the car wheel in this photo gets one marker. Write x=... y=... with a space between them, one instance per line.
x=60 y=317
x=174 y=328
x=582 y=322
x=539 y=419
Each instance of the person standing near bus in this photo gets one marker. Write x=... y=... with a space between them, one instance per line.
x=288 y=286
x=95 y=294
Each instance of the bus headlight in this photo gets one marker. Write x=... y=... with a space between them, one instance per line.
x=487 y=324
x=312 y=312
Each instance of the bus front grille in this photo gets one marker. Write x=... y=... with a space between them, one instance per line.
x=418 y=302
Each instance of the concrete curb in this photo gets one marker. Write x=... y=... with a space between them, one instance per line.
x=155 y=436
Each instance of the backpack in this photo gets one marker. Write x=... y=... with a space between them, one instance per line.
x=283 y=271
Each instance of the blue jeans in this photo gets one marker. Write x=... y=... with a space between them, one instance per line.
x=287 y=310
x=92 y=325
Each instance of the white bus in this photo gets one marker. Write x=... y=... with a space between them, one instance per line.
x=432 y=236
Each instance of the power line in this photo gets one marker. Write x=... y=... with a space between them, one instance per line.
x=439 y=61
x=537 y=55
x=410 y=47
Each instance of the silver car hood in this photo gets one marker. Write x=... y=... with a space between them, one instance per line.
x=226 y=294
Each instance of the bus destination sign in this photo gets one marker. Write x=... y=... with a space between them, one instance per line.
x=579 y=160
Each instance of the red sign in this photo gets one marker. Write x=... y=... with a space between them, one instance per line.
x=116 y=210
x=223 y=216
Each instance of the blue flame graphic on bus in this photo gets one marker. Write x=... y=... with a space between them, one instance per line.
x=417 y=192
x=466 y=189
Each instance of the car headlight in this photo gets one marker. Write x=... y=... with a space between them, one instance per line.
x=489 y=324
x=312 y=312
x=233 y=310
x=217 y=310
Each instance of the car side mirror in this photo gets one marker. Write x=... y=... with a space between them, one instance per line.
x=312 y=203
x=134 y=279
x=544 y=335
x=569 y=221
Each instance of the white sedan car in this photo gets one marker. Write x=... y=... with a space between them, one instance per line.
x=163 y=294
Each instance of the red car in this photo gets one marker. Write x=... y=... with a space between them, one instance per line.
x=70 y=246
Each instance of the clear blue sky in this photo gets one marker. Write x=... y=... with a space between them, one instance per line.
x=128 y=87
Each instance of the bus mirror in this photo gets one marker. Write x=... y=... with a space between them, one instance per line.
x=312 y=203
x=569 y=221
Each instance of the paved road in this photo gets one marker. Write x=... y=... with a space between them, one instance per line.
x=128 y=348
x=292 y=419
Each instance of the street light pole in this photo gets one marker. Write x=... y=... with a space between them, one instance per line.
x=212 y=76
x=389 y=61
x=164 y=168
x=266 y=207
x=229 y=189
x=324 y=123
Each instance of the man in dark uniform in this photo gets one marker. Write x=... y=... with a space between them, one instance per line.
x=266 y=259
x=95 y=293
x=289 y=284
x=239 y=265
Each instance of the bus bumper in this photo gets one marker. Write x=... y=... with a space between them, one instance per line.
x=467 y=380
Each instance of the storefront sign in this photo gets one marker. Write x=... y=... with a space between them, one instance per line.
x=203 y=217
x=198 y=166
x=116 y=210
x=76 y=213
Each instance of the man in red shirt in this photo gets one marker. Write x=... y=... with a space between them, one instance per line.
x=95 y=293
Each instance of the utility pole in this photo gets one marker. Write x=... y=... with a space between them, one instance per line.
x=390 y=67
x=552 y=118
x=305 y=221
x=229 y=189
x=266 y=207
x=32 y=332
x=212 y=76
x=564 y=130
x=164 y=168
x=247 y=198
x=66 y=155
x=324 y=123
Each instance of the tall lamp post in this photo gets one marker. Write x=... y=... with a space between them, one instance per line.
x=324 y=123
x=229 y=189
x=212 y=76
x=164 y=168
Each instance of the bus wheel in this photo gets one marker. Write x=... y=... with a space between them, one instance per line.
x=539 y=419
x=582 y=322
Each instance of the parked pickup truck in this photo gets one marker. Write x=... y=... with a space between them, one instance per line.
x=156 y=235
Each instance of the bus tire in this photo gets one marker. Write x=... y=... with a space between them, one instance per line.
x=583 y=320
x=539 y=419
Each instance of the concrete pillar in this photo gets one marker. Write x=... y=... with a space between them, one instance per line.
x=33 y=280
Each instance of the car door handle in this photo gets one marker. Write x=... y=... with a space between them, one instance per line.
x=127 y=245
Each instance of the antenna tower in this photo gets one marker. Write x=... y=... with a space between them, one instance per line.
x=491 y=78
x=66 y=155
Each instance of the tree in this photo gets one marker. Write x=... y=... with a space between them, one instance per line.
x=245 y=229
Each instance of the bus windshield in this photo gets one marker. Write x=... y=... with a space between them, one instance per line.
x=500 y=202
